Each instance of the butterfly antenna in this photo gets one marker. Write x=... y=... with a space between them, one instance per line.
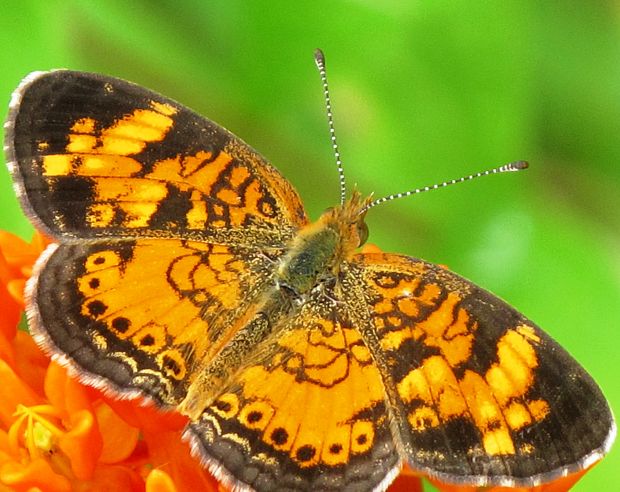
x=319 y=58
x=506 y=168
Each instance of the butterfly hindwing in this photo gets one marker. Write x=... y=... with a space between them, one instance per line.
x=308 y=414
x=143 y=315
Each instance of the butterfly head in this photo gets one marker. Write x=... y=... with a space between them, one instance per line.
x=348 y=222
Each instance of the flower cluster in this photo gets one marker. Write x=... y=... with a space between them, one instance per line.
x=58 y=435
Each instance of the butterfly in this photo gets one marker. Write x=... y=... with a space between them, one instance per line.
x=185 y=270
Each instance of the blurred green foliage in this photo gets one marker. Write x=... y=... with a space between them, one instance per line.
x=422 y=91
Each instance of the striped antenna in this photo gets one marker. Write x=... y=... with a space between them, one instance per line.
x=319 y=58
x=506 y=168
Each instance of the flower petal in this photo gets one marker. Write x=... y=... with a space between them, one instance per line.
x=141 y=413
x=11 y=309
x=37 y=474
x=15 y=288
x=406 y=481
x=19 y=253
x=6 y=450
x=159 y=481
x=65 y=392
x=6 y=348
x=16 y=260
x=82 y=444
x=119 y=438
x=112 y=478
x=30 y=362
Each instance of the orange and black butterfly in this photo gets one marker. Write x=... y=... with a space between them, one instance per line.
x=184 y=269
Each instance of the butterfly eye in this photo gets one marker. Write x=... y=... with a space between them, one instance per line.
x=362 y=232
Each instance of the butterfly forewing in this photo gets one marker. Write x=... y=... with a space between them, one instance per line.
x=142 y=315
x=95 y=156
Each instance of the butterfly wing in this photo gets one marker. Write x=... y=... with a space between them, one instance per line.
x=160 y=214
x=140 y=316
x=94 y=156
x=307 y=414
x=481 y=395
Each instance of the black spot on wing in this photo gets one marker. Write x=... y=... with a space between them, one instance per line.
x=279 y=436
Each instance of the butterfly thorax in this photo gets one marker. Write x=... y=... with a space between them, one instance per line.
x=317 y=251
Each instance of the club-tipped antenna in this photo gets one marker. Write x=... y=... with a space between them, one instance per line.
x=510 y=167
x=319 y=58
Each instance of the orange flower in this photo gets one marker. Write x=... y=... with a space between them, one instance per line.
x=58 y=435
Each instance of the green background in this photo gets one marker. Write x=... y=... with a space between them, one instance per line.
x=423 y=91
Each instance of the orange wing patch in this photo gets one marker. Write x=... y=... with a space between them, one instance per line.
x=104 y=155
x=489 y=400
x=87 y=143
